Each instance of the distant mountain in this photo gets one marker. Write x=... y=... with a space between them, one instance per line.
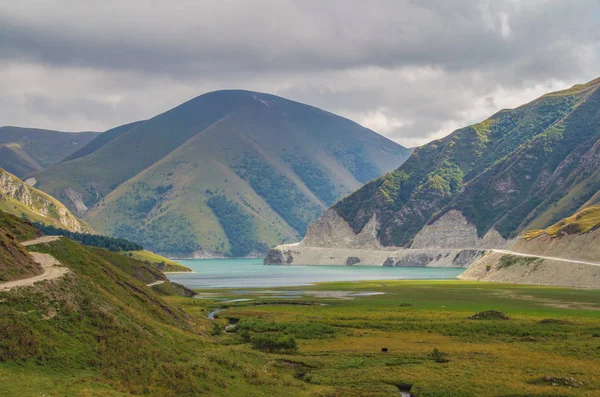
x=229 y=172
x=20 y=199
x=25 y=150
x=482 y=185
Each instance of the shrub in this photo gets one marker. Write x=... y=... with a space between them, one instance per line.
x=274 y=344
x=438 y=356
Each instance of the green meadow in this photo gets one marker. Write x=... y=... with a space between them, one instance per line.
x=434 y=349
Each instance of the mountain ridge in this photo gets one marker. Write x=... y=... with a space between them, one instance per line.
x=477 y=188
x=275 y=164
x=27 y=150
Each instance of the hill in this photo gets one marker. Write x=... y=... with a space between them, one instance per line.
x=228 y=172
x=25 y=150
x=100 y=330
x=18 y=198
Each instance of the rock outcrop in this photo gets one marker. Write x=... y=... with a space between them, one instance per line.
x=19 y=198
x=297 y=254
x=332 y=231
x=453 y=230
x=449 y=242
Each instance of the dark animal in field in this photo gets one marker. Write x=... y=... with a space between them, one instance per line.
x=384 y=349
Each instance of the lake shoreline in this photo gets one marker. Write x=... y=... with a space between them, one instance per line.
x=252 y=273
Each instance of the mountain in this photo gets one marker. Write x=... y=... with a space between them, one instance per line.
x=482 y=185
x=18 y=198
x=229 y=172
x=25 y=150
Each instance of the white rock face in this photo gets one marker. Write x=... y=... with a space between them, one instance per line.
x=449 y=242
x=294 y=254
x=38 y=202
x=331 y=230
x=453 y=230
x=77 y=200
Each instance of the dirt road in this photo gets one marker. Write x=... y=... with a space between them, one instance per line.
x=51 y=267
x=552 y=258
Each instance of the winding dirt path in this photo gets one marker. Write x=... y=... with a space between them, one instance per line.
x=159 y=282
x=51 y=267
x=552 y=258
x=41 y=240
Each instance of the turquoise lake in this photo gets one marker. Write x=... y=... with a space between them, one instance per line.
x=248 y=273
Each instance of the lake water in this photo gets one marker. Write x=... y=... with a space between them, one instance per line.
x=248 y=273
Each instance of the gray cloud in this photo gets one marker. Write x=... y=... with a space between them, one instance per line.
x=412 y=70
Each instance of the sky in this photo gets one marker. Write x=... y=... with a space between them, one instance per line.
x=412 y=70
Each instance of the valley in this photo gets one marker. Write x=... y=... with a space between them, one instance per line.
x=468 y=266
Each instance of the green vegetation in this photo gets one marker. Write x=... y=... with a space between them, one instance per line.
x=356 y=160
x=273 y=344
x=100 y=331
x=281 y=194
x=511 y=260
x=582 y=222
x=525 y=167
x=109 y=243
x=238 y=225
x=314 y=178
x=160 y=262
x=435 y=346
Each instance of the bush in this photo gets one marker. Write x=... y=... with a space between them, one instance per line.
x=94 y=240
x=273 y=344
x=438 y=356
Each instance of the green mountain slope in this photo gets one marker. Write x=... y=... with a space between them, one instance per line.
x=101 y=331
x=228 y=172
x=25 y=150
x=18 y=198
x=520 y=169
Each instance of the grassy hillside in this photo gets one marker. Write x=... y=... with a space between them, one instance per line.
x=20 y=199
x=32 y=149
x=15 y=262
x=98 y=331
x=160 y=262
x=171 y=181
x=520 y=169
x=582 y=222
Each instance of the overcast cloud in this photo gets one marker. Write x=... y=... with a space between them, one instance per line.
x=412 y=70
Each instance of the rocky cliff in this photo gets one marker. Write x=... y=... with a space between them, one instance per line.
x=20 y=199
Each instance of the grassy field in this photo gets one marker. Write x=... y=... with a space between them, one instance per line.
x=164 y=264
x=552 y=333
